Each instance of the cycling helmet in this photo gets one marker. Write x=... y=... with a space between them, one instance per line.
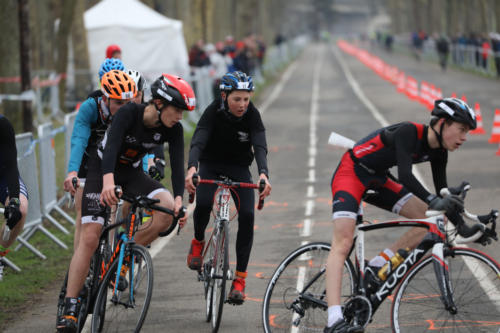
x=110 y=64
x=456 y=110
x=174 y=90
x=112 y=49
x=140 y=81
x=236 y=81
x=118 y=85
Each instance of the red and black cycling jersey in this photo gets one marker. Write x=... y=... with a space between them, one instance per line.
x=222 y=138
x=8 y=157
x=128 y=140
x=402 y=145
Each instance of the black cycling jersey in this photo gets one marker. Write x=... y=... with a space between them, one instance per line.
x=8 y=157
x=128 y=140
x=402 y=145
x=222 y=138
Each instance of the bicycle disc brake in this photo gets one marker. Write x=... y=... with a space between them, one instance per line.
x=358 y=311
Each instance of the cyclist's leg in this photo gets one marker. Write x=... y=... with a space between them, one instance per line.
x=244 y=237
x=78 y=218
x=347 y=190
x=136 y=182
x=394 y=197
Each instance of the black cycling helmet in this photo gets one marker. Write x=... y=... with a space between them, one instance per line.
x=456 y=110
x=236 y=81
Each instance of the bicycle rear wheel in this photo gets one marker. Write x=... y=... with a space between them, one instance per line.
x=295 y=298
x=218 y=281
x=475 y=284
x=127 y=309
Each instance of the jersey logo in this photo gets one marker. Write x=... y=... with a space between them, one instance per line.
x=243 y=136
x=157 y=137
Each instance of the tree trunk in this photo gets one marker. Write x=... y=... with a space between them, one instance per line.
x=83 y=84
x=66 y=20
x=24 y=49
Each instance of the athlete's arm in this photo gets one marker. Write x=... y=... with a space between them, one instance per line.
x=258 y=140
x=176 y=152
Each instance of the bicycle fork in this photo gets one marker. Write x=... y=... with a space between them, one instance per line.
x=441 y=270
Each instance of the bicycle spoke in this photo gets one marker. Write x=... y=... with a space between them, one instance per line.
x=126 y=309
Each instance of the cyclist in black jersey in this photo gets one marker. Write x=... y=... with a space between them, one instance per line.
x=366 y=167
x=13 y=192
x=228 y=136
x=135 y=131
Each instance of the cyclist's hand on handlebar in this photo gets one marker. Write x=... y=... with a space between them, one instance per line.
x=189 y=181
x=68 y=182
x=450 y=204
x=177 y=208
x=267 y=188
x=108 y=196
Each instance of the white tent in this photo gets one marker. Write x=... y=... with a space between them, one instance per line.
x=151 y=43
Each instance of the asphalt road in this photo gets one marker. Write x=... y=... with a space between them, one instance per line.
x=315 y=99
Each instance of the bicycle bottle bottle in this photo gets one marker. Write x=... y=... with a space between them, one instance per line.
x=393 y=263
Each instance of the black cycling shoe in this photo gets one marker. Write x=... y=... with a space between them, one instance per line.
x=67 y=324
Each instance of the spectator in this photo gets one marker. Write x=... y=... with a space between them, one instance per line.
x=241 y=59
x=495 y=47
x=197 y=56
x=443 y=48
x=114 y=51
x=218 y=67
x=229 y=46
x=485 y=52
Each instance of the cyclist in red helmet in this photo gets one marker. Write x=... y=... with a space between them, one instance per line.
x=366 y=166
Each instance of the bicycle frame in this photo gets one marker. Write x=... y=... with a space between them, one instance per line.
x=435 y=239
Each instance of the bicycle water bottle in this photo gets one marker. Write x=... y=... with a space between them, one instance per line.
x=394 y=262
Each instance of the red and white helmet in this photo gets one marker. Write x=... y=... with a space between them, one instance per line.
x=174 y=90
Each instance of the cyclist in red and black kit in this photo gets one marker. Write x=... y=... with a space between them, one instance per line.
x=13 y=192
x=228 y=136
x=366 y=166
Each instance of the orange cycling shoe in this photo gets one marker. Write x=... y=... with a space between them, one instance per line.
x=237 y=293
x=194 y=259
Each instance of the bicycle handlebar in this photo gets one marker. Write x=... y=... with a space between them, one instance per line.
x=467 y=234
x=143 y=201
x=229 y=184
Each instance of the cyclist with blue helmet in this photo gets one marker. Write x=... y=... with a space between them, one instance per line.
x=228 y=136
x=110 y=64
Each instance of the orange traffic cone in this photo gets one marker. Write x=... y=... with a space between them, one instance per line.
x=401 y=85
x=479 y=129
x=495 y=132
x=454 y=95
x=464 y=99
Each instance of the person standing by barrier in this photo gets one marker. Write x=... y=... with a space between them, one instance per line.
x=443 y=48
x=13 y=192
x=222 y=145
x=114 y=51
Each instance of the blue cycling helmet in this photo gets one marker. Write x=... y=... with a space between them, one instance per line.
x=236 y=81
x=110 y=64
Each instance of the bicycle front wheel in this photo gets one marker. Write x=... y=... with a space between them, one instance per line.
x=475 y=285
x=126 y=309
x=295 y=298
x=219 y=279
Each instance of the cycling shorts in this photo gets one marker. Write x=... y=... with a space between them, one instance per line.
x=350 y=181
x=4 y=191
x=132 y=180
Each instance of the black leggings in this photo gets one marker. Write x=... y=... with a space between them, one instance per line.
x=204 y=202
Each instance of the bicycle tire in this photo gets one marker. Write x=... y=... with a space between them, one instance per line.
x=118 y=315
x=417 y=300
x=221 y=262
x=208 y=282
x=281 y=291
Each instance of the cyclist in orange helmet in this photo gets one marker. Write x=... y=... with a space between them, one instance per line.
x=92 y=120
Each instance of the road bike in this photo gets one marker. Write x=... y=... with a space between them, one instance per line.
x=128 y=274
x=215 y=271
x=453 y=288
